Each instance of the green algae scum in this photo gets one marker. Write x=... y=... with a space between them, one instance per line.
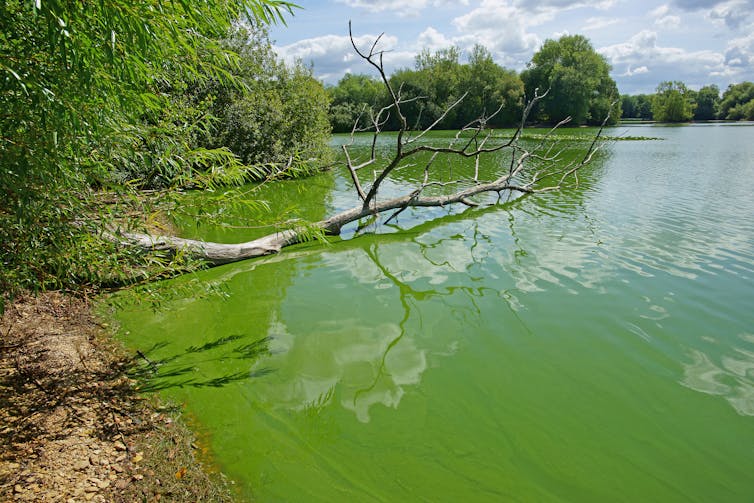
x=594 y=344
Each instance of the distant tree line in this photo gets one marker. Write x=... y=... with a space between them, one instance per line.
x=576 y=76
x=674 y=102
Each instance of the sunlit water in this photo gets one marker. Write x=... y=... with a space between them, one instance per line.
x=595 y=344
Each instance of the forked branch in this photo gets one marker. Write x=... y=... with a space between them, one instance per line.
x=529 y=170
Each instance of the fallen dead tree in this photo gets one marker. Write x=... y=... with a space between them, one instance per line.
x=534 y=169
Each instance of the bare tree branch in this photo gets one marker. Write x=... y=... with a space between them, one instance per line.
x=470 y=142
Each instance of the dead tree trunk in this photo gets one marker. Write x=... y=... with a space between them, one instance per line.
x=472 y=141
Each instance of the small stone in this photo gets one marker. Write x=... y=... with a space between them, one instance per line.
x=90 y=489
x=88 y=496
x=103 y=484
x=93 y=459
x=117 y=468
x=81 y=465
x=18 y=488
x=119 y=446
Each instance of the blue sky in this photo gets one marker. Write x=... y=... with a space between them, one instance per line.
x=699 y=42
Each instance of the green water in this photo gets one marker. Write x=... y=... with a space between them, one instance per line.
x=595 y=344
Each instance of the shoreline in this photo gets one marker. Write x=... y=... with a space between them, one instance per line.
x=72 y=425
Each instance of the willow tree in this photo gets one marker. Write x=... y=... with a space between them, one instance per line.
x=81 y=91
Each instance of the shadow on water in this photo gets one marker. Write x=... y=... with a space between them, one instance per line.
x=180 y=369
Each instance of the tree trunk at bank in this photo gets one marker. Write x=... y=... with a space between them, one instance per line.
x=222 y=253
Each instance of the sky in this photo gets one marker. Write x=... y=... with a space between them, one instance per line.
x=698 y=42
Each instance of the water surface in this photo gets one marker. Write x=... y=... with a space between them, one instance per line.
x=595 y=344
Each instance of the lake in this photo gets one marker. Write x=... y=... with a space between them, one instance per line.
x=593 y=344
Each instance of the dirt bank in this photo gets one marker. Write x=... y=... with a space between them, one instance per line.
x=72 y=427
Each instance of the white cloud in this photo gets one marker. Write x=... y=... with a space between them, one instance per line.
x=402 y=8
x=734 y=14
x=708 y=4
x=739 y=55
x=660 y=11
x=597 y=23
x=333 y=55
x=663 y=18
x=535 y=5
x=731 y=13
x=668 y=22
x=642 y=51
x=502 y=29
x=635 y=71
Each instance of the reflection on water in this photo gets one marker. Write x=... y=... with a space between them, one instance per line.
x=588 y=345
x=732 y=378
x=369 y=363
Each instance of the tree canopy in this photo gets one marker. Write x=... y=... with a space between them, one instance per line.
x=707 y=101
x=637 y=106
x=738 y=102
x=354 y=95
x=672 y=103
x=437 y=80
x=578 y=80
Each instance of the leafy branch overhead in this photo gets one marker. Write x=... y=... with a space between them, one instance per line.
x=102 y=100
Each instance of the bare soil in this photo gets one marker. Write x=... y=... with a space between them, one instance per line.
x=72 y=428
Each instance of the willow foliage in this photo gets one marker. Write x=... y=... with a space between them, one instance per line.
x=92 y=97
